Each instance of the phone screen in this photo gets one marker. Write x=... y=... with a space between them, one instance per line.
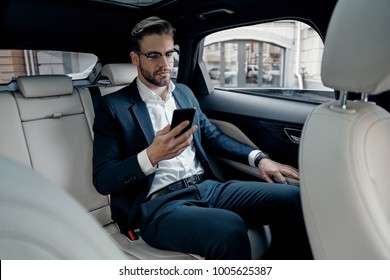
x=181 y=115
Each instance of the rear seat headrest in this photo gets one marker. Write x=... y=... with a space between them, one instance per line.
x=120 y=73
x=45 y=85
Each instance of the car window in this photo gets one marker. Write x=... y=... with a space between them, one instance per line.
x=280 y=58
x=176 y=57
x=14 y=63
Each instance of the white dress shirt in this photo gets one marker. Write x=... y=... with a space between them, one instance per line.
x=180 y=167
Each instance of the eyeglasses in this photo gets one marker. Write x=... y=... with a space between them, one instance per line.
x=155 y=56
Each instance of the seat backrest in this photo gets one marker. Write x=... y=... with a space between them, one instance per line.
x=39 y=220
x=55 y=120
x=12 y=141
x=344 y=154
x=58 y=138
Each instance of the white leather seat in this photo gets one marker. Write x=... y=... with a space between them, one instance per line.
x=39 y=220
x=119 y=75
x=345 y=150
x=56 y=119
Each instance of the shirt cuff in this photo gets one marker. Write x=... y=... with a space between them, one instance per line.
x=251 y=157
x=144 y=162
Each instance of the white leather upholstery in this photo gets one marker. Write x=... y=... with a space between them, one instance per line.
x=344 y=153
x=58 y=133
x=59 y=142
x=12 y=142
x=38 y=220
x=120 y=73
x=40 y=86
x=356 y=54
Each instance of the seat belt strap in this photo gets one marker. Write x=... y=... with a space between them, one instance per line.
x=95 y=93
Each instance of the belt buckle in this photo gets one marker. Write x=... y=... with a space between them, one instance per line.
x=186 y=182
x=197 y=178
x=192 y=180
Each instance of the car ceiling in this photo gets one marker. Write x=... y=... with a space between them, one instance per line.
x=103 y=26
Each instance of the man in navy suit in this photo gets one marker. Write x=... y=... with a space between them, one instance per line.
x=163 y=185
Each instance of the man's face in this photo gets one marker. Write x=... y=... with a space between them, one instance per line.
x=155 y=60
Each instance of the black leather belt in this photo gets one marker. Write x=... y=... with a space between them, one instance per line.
x=184 y=183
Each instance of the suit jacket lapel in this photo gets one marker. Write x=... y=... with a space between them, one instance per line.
x=181 y=102
x=141 y=112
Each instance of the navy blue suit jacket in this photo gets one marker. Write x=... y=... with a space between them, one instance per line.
x=122 y=129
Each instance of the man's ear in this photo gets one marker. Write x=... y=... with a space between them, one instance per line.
x=134 y=58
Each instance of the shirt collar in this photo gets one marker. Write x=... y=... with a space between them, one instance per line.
x=148 y=95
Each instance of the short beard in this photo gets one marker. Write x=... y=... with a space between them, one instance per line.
x=149 y=76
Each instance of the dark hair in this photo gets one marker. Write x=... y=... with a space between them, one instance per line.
x=149 y=26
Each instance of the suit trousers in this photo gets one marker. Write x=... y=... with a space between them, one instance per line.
x=211 y=219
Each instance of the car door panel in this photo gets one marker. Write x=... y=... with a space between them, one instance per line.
x=234 y=132
x=273 y=125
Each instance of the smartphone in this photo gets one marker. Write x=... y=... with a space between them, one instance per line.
x=181 y=115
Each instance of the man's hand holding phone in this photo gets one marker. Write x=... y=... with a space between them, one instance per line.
x=172 y=140
x=181 y=115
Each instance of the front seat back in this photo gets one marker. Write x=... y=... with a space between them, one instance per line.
x=344 y=155
x=39 y=220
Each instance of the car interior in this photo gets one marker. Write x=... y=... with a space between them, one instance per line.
x=339 y=144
